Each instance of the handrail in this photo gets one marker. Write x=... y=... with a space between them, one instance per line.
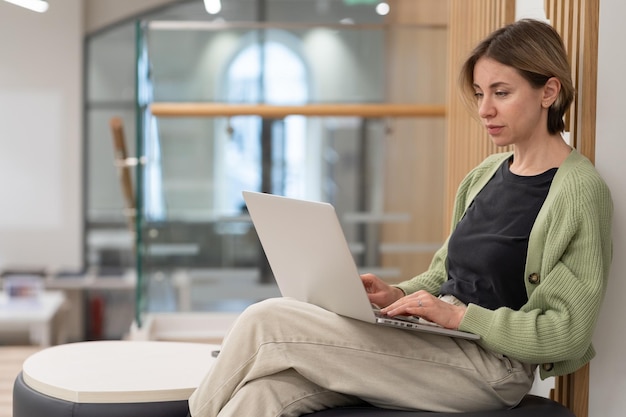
x=275 y=111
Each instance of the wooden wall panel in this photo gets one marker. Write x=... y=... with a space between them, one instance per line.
x=577 y=22
x=420 y=12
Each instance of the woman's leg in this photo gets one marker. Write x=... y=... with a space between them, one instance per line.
x=285 y=394
x=384 y=366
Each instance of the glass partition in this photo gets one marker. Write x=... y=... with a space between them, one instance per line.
x=239 y=63
x=196 y=249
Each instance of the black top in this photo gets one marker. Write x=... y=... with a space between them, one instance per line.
x=487 y=249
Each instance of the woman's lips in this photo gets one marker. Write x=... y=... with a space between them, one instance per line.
x=494 y=130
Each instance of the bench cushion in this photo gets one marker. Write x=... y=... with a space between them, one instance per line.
x=531 y=406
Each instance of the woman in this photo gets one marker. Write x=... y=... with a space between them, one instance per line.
x=525 y=268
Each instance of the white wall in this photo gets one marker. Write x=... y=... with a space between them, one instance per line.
x=608 y=370
x=530 y=9
x=40 y=136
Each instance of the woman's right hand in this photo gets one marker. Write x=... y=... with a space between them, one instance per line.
x=379 y=292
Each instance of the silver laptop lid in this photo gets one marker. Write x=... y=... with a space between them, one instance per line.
x=308 y=253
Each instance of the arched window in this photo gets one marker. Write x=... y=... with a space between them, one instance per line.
x=267 y=72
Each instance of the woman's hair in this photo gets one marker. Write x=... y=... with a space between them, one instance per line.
x=536 y=51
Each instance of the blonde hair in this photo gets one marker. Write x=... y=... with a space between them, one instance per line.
x=537 y=52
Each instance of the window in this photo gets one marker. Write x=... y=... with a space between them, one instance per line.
x=268 y=72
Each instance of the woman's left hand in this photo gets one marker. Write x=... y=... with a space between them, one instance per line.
x=427 y=306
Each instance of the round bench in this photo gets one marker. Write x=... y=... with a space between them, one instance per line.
x=111 y=378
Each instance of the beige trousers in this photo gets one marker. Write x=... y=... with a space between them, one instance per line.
x=287 y=358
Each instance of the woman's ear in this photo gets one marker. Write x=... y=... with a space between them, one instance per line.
x=551 y=91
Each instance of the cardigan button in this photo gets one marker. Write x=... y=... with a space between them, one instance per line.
x=547 y=367
x=534 y=278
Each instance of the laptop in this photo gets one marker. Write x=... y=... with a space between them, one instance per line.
x=311 y=260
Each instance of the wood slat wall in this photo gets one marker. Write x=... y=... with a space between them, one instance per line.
x=577 y=21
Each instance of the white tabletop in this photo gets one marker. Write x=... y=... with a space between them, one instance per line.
x=119 y=371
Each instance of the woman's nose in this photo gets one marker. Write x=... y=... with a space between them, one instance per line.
x=485 y=108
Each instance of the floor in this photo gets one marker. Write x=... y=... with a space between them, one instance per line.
x=11 y=359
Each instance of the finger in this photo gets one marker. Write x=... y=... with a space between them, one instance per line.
x=397 y=308
x=409 y=305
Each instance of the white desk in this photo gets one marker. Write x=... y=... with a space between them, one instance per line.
x=35 y=316
x=119 y=371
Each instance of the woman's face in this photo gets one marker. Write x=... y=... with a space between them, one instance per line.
x=510 y=108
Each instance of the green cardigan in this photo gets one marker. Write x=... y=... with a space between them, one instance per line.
x=567 y=267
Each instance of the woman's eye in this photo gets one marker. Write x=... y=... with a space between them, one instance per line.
x=501 y=93
x=478 y=95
